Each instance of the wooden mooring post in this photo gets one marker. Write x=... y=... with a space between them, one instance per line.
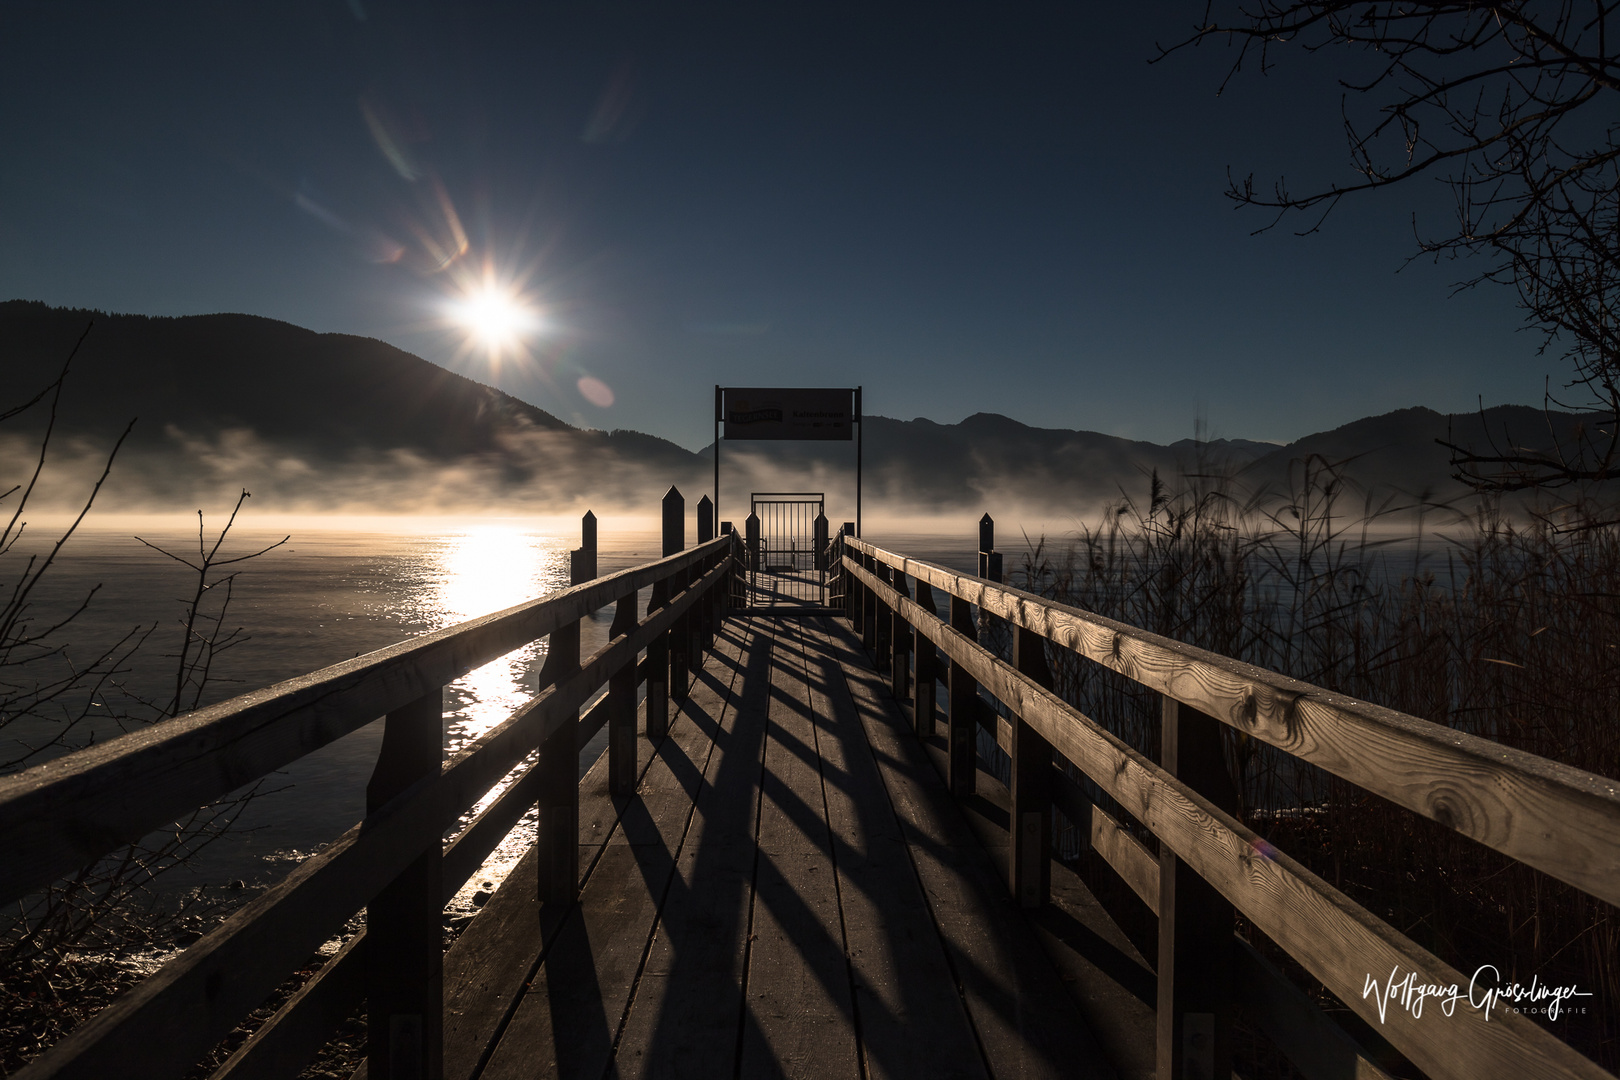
x=557 y=834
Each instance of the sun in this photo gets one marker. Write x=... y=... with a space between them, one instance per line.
x=495 y=317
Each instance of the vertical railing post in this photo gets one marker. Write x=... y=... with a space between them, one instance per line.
x=621 y=706
x=869 y=608
x=857 y=619
x=404 y=950
x=846 y=580
x=1195 y=920
x=557 y=835
x=883 y=622
x=658 y=648
x=900 y=641
x=730 y=592
x=962 y=752
x=1029 y=856
x=680 y=635
x=922 y=689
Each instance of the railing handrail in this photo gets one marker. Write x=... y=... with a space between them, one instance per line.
x=1490 y=790
x=66 y=813
x=1336 y=940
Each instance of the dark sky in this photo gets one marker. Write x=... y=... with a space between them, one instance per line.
x=964 y=208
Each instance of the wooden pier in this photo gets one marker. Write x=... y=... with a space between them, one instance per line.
x=792 y=892
x=792 y=861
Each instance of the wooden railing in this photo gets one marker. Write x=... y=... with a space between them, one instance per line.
x=63 y=815
x=1557 y=819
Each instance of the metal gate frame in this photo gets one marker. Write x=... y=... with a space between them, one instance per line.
x=787 y=552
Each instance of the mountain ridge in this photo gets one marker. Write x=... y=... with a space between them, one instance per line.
x=320 y=419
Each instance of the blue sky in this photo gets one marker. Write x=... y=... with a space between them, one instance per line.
x=963 y=208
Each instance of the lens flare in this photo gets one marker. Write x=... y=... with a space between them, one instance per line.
x=595 y=391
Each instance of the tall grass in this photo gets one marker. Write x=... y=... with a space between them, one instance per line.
x=1507 y=627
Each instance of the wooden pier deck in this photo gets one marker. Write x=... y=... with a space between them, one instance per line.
x=791 y=892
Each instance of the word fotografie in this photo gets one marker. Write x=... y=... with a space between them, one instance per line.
x=1479 y=996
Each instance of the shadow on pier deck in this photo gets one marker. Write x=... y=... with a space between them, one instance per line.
x=792 y=892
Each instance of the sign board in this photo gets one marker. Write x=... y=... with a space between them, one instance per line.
x=788 y=413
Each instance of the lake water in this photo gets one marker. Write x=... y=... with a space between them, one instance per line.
x=326 y=596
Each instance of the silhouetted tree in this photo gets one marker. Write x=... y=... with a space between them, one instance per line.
x=1513 y=105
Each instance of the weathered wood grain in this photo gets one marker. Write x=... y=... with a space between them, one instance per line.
x=1337 y=941
x=569 y=1016
x=913 y=1023
x=65 y=813
x=799 y=1012
x=1558 y=819
x=486 y=968
x=683 y=1021
x=1024 y=1022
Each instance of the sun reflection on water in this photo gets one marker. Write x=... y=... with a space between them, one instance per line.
x=476 y=573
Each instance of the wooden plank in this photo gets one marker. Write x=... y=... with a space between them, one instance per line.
x=1102 y=972
x=912 y=1020
x=570 y=1013
x=1558 y=819
x=799 y=1013
x=486 y=968
x=1335 y=939
x=684 y=1019
x=65 y=813
x=1027 y=1026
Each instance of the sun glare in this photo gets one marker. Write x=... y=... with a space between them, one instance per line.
x=494 y=317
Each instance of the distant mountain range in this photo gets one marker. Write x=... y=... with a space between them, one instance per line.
x=312 y=421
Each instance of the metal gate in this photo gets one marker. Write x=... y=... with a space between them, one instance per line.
x=787 y=551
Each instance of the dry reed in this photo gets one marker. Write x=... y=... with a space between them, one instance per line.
x=1504 y=626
